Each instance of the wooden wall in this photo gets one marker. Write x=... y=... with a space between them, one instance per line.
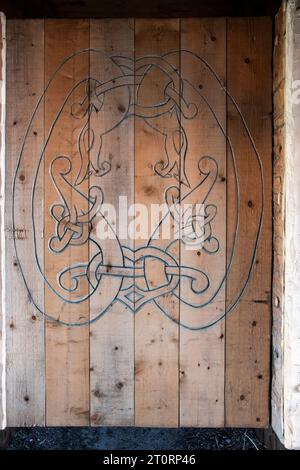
x=143 y=369
x=285 y=383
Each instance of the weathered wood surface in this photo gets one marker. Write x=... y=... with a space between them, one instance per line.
x=249 y=81
x=156 y=337
x=2 y=192
x=112 y=338
x=143 y=368
x=279 y=87
x=67 y=348
x=25 y=346
x=291 y=334
x=285 y=352
x=202 y=353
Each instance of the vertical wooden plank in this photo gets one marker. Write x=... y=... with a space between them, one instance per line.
x=156 y=336
x=249 y=81
x=285 y=381
x=279 y=86
x=67 y=347
x=202 y=359
x=291 y=338
x=2 y=212
x=24 y=326
x=112 y=335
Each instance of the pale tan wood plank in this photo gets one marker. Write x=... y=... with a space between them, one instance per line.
x=279 y=118
x=2 y=186
x=67 y=347
x=156 y=335
x=24 y=325
x=112 y=335
x=249 y=80
x=202 y=360
x=291 y=343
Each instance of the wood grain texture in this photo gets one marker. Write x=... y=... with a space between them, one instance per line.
x=291 y=343
x=249 y=80
x=279 y=86
x=285 y=382
x=24 y=328
x=156 y=337
x=143 y=368
x=67 y=347
x=112 y=336
x=202 y=359
x=2 y=222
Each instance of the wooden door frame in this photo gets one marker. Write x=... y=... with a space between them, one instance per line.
x=286 y=234
x=2 y=191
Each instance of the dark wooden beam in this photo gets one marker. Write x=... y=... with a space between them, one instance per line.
x=136 y=8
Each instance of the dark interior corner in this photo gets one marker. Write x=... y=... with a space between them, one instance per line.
x=136 y=8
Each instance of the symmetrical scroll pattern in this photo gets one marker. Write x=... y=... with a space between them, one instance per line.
x=75 y=209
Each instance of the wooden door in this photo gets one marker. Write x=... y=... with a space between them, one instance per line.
x=103 y=327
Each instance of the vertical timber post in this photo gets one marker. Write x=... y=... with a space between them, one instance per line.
x=286 y=274
x=2 y=190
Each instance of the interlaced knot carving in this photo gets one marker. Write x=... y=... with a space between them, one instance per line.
x=174 y=101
